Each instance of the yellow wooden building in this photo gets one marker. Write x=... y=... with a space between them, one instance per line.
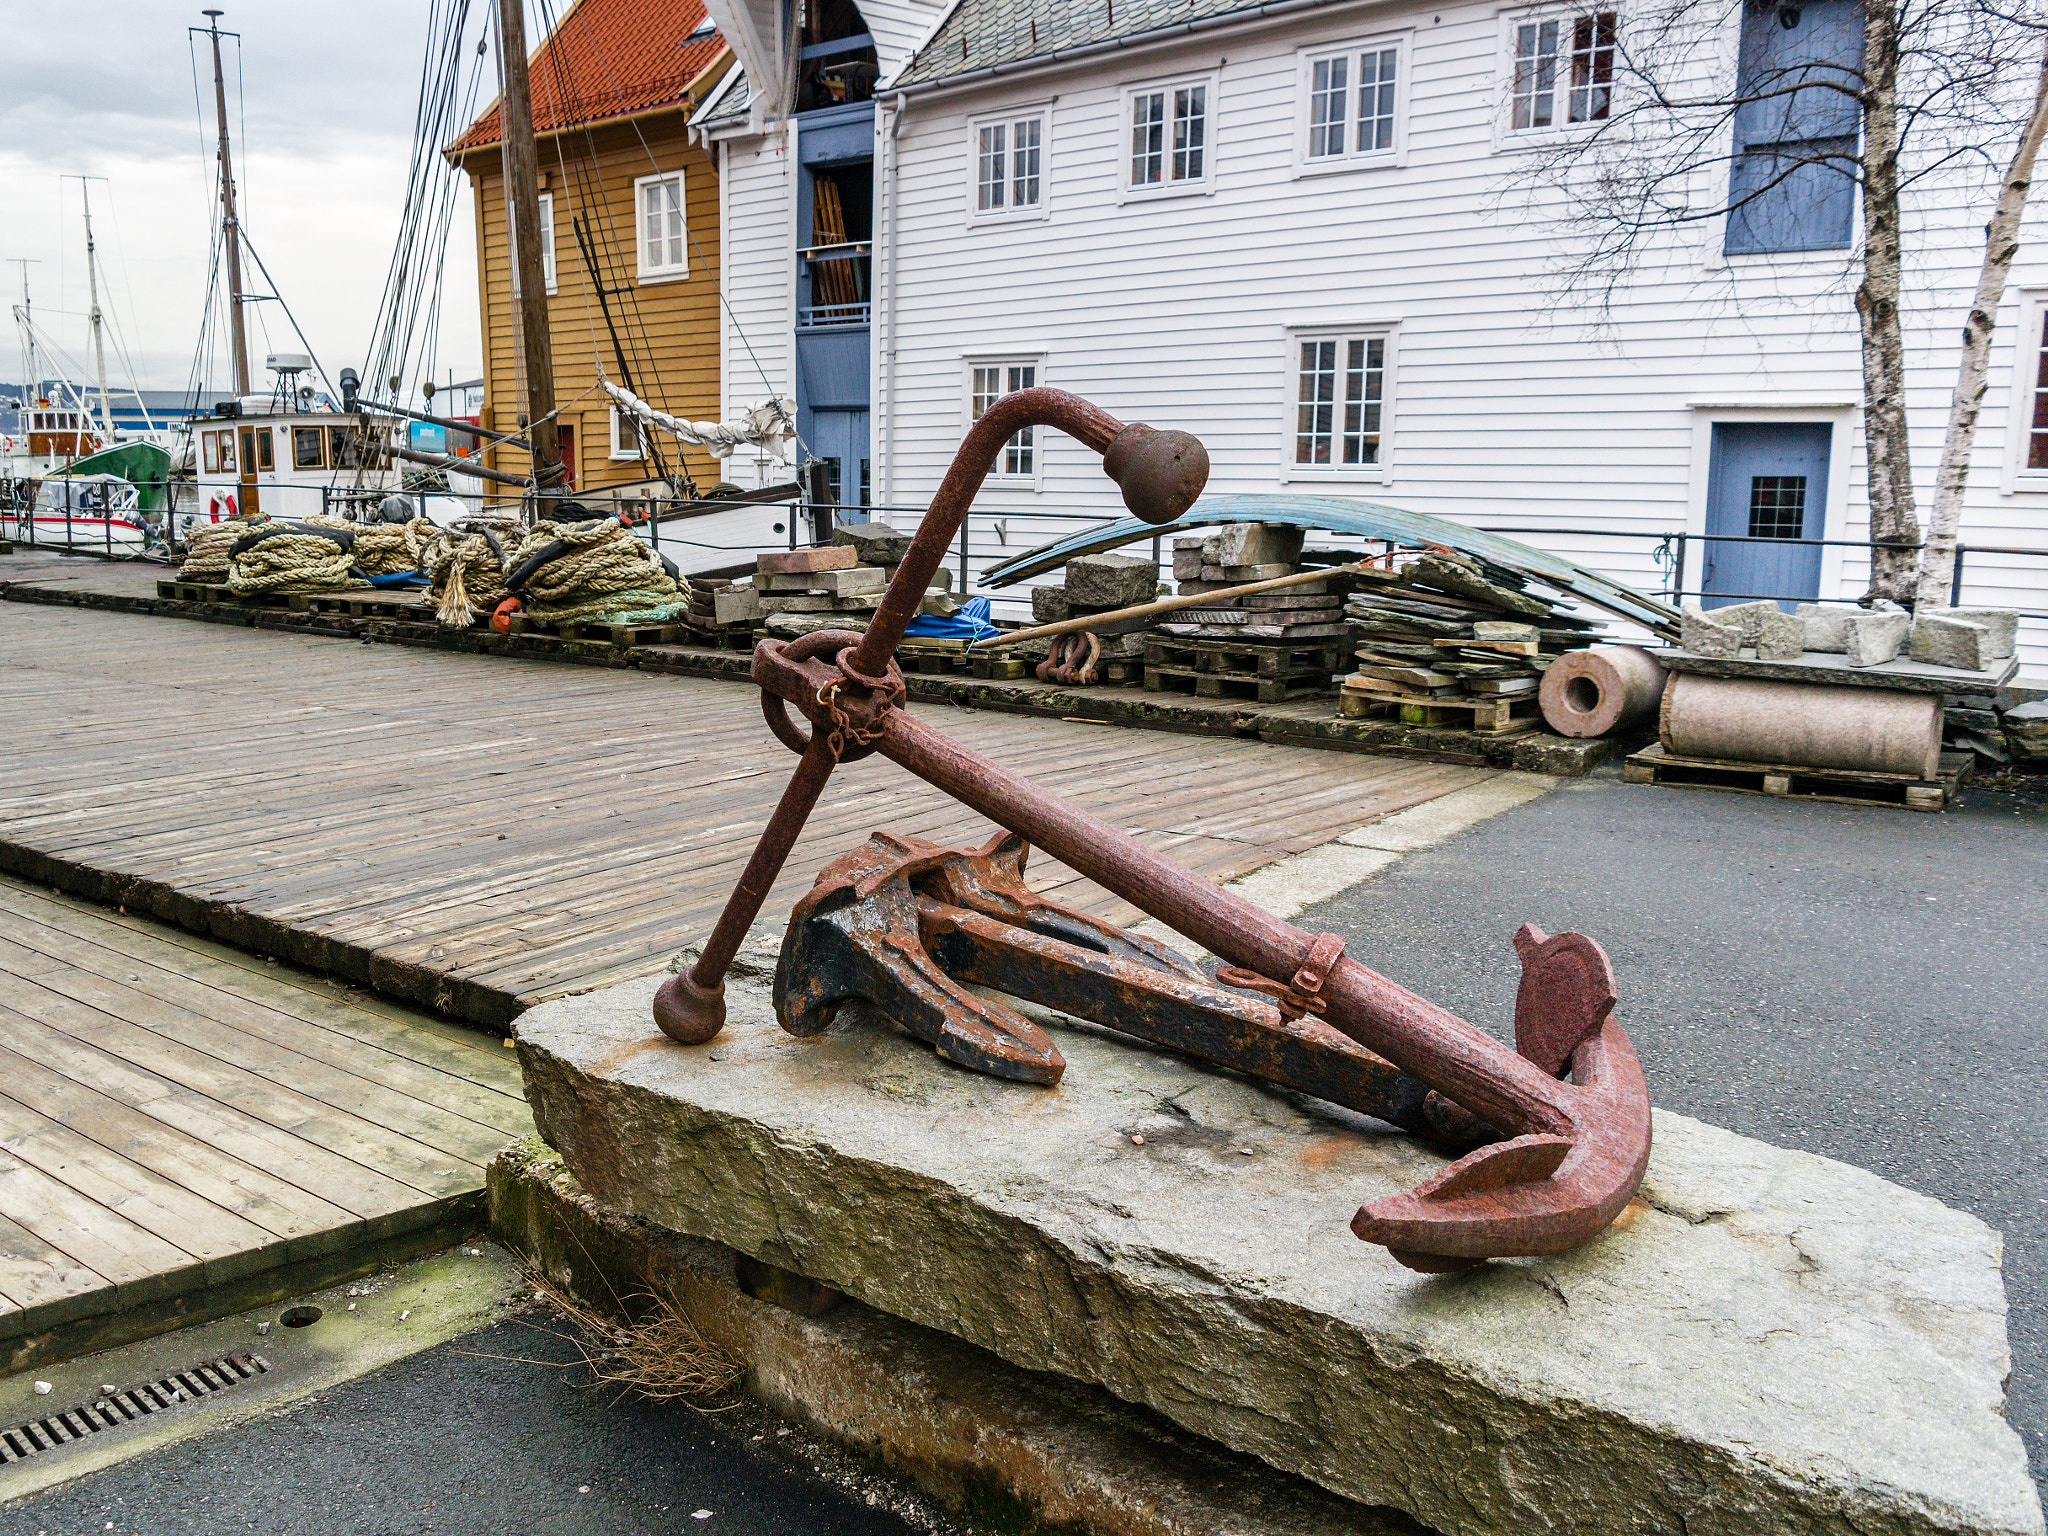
x=629 y=221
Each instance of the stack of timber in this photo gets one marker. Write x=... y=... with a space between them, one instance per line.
x=1450 y=640
x=1267 y=646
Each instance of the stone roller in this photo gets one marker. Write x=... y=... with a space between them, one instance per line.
x=1604 y=688
x=1870 y=730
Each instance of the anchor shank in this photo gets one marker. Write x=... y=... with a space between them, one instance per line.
x=1040 y=407
x=1480 y=1073
x=777 y=838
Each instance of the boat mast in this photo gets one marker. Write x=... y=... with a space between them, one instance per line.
x=520 y=159
x=227 y=211
x=92 y=277
x=24 y=319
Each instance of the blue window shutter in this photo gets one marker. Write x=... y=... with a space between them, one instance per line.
x=1791 y=187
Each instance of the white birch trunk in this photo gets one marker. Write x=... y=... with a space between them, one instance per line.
x=2001 y=242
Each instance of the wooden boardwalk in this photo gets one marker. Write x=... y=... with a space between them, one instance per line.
x=479 y=836
x=185 y=1131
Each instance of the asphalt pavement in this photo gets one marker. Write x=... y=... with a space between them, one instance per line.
x=502 y=1432
x=1864 y=983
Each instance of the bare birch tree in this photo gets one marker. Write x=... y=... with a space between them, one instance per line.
x=1885 y=102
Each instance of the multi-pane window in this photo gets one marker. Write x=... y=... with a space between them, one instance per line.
x=1340 y=394
x=1009 y=165
x=992 y=381
x=1777 y=506
x=1568 y=57
x=547 y=241
x=1351 y=102
x=2037 y=433
x=663 y=242
x=1169 y=136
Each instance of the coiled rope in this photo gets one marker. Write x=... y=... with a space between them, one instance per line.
x=592 y=572
x=466 y=565
x=386 y=549
x=311 y=555
x=206 y=547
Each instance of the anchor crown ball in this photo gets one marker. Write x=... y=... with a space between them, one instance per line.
x=1160 y=473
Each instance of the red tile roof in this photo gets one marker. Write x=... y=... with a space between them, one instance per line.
x=609 y=59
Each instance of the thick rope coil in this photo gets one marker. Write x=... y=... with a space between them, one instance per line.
x=466 y=565
x=207 y=545
x=289 y=561
x=385 y=549
x=594 y=572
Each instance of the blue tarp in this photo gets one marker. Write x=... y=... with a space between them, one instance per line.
x=970 y=623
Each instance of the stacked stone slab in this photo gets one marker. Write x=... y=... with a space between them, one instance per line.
x=1448 y=628
x=1236 y=556
x=832 y=585
x=1093 y=584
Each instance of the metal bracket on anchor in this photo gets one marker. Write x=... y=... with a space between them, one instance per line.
x=909 y=926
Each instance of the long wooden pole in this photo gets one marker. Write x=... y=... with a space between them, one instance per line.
x=1168 y=605
x=522 y=232
x=230 y=229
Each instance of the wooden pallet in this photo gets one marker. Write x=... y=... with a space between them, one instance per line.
x=933 y=657
x=1233 y=685
x=1245 y=658
x=1487 y=716
x=357 y=605
x=1840 y=786
x=996 y=667
x=194 y=592
x=617 y=634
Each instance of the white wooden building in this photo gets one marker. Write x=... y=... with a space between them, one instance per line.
x=1294 y=229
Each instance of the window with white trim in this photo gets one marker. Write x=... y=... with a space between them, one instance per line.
x=1353 y=101
x=1009 y=164
x=547 y=241
x=1169 y=136
x=988 y=383
x=663 y=241
x=1340 y=394
x=626 y=437
x=1563 y=71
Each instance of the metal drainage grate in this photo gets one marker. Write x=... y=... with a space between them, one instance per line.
x=118 y=1408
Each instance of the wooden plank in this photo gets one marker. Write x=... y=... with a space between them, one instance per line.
x=225 y=1243
x=141 y=1265
x=205 y=1167
x=35 y=1275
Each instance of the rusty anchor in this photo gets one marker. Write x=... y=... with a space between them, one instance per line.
x=1564 y=1116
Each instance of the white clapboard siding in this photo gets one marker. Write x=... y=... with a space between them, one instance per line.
x=758 y=210
x=1506 y=410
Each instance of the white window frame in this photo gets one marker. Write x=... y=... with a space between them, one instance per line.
x=679 y=265
x=1168 y=185
x=625 y=445
x=2016 y=478
x=1033 y=440
x=1007 y=122
x=1351 y=158
x=1507 y=135
x=1380 y=471
x=547 y=241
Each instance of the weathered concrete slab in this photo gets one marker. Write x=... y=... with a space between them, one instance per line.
x=1838 y=671
x=1767 y=1342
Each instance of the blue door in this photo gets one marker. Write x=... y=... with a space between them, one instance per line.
x=1768 y=481
x=840 y=438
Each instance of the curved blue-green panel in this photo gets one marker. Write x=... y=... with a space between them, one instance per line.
x=1367 y=519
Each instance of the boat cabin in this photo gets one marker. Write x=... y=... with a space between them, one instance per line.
x=292 y=462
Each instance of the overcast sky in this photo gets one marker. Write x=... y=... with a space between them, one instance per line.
x=321 y=123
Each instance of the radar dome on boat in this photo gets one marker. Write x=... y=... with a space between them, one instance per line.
x=288 y=362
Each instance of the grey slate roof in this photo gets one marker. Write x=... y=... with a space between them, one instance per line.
x=980 y=34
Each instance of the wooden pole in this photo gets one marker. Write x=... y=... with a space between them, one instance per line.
x=1168 y=605
x=231 y=231
x=522 y=232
